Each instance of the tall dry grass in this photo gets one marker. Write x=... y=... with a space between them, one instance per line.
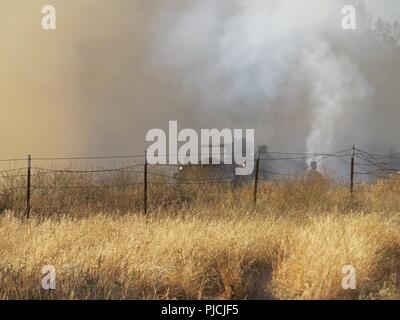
x=208 y=243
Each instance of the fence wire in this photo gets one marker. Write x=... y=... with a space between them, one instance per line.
x=367 y=167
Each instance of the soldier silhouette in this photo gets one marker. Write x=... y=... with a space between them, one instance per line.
x=313 y=174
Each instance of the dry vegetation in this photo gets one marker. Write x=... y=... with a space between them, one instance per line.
x=202 y=242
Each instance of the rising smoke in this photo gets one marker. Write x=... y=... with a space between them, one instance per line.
x=281 y=66
x=114 y=69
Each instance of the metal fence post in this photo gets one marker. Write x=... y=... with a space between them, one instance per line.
x=28 y=187
x=145 y=184
x=352 y=172
x=256 y=180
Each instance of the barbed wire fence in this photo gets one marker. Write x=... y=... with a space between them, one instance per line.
x=360 y=163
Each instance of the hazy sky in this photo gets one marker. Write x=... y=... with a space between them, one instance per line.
x=114 y=69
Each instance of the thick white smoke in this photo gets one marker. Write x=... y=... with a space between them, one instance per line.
x=335 y=85
x=276 y=41
x=275 y=65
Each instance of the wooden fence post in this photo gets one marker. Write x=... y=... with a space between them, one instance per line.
x=28 y=187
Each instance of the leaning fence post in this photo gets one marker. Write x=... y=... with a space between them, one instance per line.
x=256 y=180
x=145 y=184
x=28 y=187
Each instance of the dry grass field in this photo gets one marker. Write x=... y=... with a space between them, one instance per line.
x=213 y=245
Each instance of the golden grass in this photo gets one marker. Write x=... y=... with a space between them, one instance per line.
x=293 y=246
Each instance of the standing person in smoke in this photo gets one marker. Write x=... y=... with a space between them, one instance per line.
x=313 y=175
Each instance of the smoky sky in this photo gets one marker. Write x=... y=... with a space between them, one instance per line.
x=115 y=69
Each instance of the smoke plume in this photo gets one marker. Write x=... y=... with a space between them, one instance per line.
x=115 y=69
